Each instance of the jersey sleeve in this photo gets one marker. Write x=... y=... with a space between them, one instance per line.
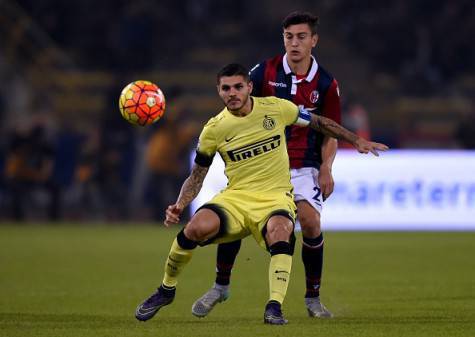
x=332 y=107
x=292 y=114
x=206 y=148
x=257 y=77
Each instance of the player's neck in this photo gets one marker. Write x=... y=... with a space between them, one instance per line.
x=301 y=67
x=245 y=110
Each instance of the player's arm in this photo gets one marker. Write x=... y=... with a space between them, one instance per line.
x=331 y=109
x=190 y=189
x=325 y=178
x=331 y=128
x=192 y=185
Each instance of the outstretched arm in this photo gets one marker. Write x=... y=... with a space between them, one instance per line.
x=190 y=189
x=331 y=128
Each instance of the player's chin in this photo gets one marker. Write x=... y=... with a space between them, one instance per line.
x=295 y=56
x=235 y=105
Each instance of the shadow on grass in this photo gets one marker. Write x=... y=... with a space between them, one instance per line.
x=60 y=319
x=77 y=320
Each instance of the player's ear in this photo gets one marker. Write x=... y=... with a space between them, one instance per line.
x=218 y=85
x=314 y=40
x=250 y=86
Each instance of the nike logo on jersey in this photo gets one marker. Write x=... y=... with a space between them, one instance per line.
x=281 y=271
x=230 y=138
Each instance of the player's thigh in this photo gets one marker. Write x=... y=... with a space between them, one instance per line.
x=231 y=218
x=308 y=198
x=203 y=225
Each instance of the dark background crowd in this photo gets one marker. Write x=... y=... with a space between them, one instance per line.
x=406 y=71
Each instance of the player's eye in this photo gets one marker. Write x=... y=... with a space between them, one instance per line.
x=302 y=36
x=225 y=87
x=238 y=86
x=288 y=36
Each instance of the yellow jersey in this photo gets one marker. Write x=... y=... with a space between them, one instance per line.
x=252 y=147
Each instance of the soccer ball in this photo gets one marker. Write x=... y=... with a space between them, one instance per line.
x=142 y=103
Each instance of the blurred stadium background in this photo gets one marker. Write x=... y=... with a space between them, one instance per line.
x=406 y=73
x=407 y=76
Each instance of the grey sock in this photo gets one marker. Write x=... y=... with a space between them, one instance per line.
x=221 y=288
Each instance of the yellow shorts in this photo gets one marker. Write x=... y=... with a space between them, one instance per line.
x=245 y=213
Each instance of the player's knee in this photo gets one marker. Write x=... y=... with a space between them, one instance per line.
x=310 y=225
x=279 y=231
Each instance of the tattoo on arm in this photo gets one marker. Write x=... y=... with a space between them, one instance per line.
x=331 y=128
x=192 y=185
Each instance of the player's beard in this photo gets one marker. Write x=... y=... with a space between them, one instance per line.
x=235 y=107
x=232 y=106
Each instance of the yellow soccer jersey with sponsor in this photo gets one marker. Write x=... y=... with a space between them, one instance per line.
x=253 y=147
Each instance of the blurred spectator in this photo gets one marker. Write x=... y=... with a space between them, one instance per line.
x=167 y=157
x=67 y=148
x=2 y=108
x=116 y=165
x=2 y=157
x=28 y=172
x=355 y=118
x=84 y=199
x=419 y=70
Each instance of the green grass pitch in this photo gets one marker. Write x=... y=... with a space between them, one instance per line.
x=87 y=280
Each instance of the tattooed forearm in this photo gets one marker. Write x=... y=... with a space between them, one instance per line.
x=332 y=128
x=192 y=185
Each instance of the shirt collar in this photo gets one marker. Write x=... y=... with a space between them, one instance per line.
x=311 y=73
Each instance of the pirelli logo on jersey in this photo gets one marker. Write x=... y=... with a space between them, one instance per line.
x=255 y=149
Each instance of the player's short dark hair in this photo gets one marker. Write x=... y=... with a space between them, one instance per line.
x=297 y=17
x=233 y=69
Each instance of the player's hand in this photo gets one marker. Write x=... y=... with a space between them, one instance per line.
x=173 y=213
x=325 y=181
x=365 y=146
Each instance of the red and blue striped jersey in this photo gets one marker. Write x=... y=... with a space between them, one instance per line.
x=317 y=91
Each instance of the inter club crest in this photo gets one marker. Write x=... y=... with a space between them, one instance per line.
x=314 y=96
x=268 y=123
